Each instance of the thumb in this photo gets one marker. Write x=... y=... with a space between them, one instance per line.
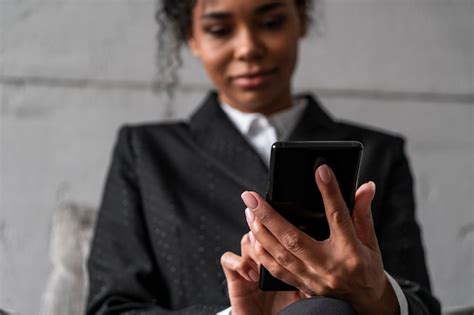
x=362 y=216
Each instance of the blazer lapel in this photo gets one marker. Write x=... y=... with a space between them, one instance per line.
x=317 y=125
x=222 y=143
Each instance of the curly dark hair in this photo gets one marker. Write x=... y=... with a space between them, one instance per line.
x=174 y=19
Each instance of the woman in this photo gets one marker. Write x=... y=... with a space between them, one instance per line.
x=171 y=206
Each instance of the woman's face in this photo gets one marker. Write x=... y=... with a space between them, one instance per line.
x=249 y=49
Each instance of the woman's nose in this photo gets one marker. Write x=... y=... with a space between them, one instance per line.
x=248 y=46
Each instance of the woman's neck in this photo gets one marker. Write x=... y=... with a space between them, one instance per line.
x=265 y=107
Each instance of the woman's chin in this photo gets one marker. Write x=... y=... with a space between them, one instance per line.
x=258 y=101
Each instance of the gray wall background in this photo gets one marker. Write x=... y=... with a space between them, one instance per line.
x=71 y=72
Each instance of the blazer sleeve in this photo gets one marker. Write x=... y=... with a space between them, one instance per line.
x=400 y=237
x=123 y=277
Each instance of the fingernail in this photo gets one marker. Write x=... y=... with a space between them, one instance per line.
x=249 y=216
x=249 y=200
x=253 y=275
x=325 y=174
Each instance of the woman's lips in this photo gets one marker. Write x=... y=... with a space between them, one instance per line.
x=253 y=80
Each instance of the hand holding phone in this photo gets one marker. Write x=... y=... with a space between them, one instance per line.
x=347 y=266
x=292 y=190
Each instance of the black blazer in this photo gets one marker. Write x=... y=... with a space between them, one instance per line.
x=171 y=207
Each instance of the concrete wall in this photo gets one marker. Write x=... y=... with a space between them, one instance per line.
x=71 y=72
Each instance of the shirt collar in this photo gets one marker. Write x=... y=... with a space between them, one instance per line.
x=240 y=119
x=283 y=121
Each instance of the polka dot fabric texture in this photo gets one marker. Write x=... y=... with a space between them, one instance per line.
x=171 y=207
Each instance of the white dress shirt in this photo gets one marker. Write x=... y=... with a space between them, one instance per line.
x=261 y=132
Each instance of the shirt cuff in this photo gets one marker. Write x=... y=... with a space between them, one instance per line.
x=402 y=300
x=227 y=311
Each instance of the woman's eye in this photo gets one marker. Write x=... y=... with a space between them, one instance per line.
x=274 y=23
x=218 y=31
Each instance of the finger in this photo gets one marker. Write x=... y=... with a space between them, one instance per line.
x=235 y=266
x=338 y=216
x=309 y=286
x=273 y=246
x=292 y=238
x=246 y=249
x=274 y=268
x=362 y=216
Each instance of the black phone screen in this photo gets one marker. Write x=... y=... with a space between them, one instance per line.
x=292 y=189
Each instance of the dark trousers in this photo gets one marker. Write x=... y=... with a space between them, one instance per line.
x=318 y=305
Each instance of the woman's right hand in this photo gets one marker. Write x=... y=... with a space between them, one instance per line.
x=242 y=274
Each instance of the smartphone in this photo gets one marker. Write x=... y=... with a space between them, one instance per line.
x=292 y=189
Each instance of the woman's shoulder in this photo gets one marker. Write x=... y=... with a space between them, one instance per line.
x=378 y=143
x=162 y=129
x=372 y=134
x=347 y=130
x=154 y=136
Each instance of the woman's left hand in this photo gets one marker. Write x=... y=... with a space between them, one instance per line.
x=242 y=274
x=348 y=265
